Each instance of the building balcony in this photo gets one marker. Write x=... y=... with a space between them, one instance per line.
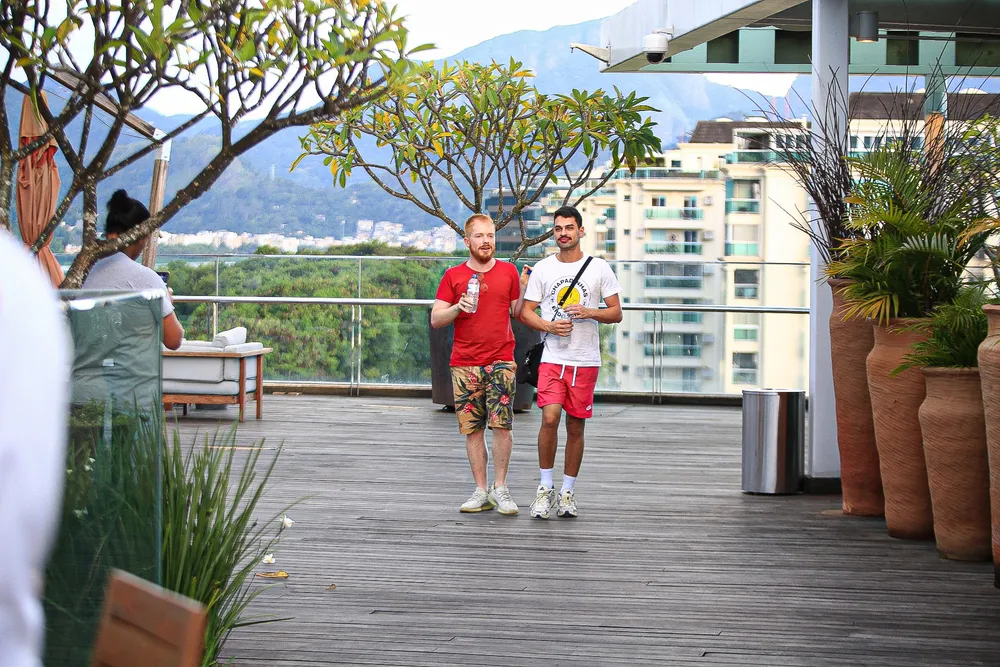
x=742 y=249
x=668 y=248
x=747 y=291
x=761 y=156
x=665 y=213
x=666 y=350
x=673 y=318
x=751 y=206
x=671 y=282
x=745 y=376
x=664 y=172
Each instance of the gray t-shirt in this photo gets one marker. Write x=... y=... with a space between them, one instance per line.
x=119 y=272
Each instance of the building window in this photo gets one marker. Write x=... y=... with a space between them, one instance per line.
x=658 y=201
x=747 y=283
x=745 y=333
x=854 y=142
x=742 y=240
x=675 y=164
x=626 y=232
x=744 y=368
x=690 y=202
x=868 y=143
x=627 y=197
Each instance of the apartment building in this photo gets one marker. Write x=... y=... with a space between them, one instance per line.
x=707 y=223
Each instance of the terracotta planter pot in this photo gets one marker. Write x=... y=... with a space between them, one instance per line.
x=958 y=470
x=850 y=343
x=989 y=371
x=895 y=403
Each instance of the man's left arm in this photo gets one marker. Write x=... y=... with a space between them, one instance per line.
x=610 y=315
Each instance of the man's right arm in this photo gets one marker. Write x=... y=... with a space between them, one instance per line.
x=560 y=327
x=444 y=313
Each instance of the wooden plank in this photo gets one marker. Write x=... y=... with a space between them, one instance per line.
x=668 y=562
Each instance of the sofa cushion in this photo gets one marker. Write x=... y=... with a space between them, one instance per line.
x=194 y=369
x=234 y=336
x=227 y=388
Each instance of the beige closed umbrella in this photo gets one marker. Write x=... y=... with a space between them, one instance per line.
x=37 y=187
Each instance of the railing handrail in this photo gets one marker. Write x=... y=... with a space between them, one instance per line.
x=356 y=301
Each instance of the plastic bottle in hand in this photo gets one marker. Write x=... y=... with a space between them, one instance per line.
x=473 y=291
x=563 y=341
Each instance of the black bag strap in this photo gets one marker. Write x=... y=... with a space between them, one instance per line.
x=576 y=279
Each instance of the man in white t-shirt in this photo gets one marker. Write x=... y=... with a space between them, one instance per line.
x=34 y=406
x=572 y=357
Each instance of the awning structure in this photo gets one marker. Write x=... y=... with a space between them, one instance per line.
x=962 y=37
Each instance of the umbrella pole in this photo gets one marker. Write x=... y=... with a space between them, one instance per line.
x=156 y=196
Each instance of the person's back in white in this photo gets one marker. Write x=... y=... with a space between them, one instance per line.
x=34 y=395
x=567 y=374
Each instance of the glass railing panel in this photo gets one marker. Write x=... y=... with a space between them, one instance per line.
x=742 y=206
x=111 y=515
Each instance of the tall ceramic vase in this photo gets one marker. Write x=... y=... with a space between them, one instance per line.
x=989 y=371
x=850 y=343
x=896 y=402
x=954 y=433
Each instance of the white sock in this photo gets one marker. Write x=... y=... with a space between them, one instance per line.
x=546 y=474
x=568 y=483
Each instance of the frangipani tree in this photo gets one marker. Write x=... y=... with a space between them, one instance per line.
x=259 y=66
x=467 y=130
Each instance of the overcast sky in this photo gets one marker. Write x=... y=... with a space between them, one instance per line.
x=453 y=25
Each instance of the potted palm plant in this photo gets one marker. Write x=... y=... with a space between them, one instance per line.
x=953 y=426
x=915 y=205
x=821 y=169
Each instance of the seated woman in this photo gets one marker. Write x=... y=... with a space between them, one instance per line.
x=121 y=272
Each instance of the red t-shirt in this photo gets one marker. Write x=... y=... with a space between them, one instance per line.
x=484 y=336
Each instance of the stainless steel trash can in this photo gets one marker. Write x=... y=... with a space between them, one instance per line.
x=774 y=429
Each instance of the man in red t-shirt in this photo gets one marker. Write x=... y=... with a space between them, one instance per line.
x=482 y=358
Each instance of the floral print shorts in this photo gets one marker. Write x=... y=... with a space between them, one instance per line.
x=484 y=396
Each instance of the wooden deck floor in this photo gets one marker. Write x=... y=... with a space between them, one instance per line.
x=668 y=564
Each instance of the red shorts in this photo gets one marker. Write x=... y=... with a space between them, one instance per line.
x=569 y=386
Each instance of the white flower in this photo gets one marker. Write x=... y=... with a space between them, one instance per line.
x=80 y=513
x=69 y=471
x=87 y=468
x=91 y=461
x=286 y=522
x=269 y=559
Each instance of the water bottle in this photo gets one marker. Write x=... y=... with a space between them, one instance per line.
x=473 y=291
x=563 y=341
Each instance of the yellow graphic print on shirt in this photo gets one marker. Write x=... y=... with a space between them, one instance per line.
x=574 y=297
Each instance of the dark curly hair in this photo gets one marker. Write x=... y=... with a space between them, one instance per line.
x=124 y=213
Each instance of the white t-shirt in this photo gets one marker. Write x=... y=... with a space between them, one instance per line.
x=549 y=280
x=121 y=272
x=34 y=405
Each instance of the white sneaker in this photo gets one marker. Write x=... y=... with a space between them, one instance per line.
x=500 y=496
x=567 y=505
x=544 y=502
x=478 y=502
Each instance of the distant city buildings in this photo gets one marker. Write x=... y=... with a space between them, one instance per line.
x=438 y=239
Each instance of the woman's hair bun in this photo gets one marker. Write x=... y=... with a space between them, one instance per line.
x=119 y=202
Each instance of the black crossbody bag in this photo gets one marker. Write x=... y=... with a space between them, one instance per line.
x=527 y=372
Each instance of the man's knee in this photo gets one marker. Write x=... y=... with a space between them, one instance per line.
x=575 y=425
x=550 y=418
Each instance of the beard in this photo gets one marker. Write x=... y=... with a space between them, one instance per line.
x=568 y=245
x=483 y=254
